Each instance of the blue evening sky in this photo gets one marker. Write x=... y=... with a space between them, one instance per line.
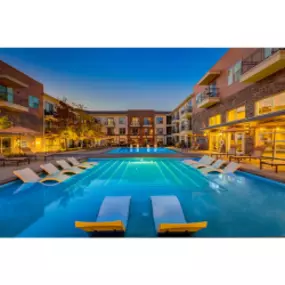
x=116 y=78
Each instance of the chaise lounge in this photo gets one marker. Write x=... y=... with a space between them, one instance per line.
x=65 y=166
x=83 y=165
x=169 y=217
x=230 y=168
x=28 y=175
x=112 y=217
x=50 y=169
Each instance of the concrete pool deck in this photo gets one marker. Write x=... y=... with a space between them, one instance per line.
x=6 y=173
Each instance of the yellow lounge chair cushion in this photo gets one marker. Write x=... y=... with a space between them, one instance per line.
x=185 y=227
x=100 y=226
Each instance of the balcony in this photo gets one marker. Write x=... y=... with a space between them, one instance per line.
x=187 y=113
x=7 y=102
x=209 y=77
x=135 y=124
x=209 y=97
x=175 y=119
x=186 y=128
x=175 y=130
x=262 y=63
x=10 y=81
x=110 y=124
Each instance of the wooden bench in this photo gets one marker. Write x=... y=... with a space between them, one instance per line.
x=272 y=163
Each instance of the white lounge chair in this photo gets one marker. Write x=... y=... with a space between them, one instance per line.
x=207 y=163
x=201 y=160
x=65 y=166
x=113 y=216
x=230 y=168
x=50 y=169
x=217 y=165
x=169 y=217
x=28 y=175
x=83 y=165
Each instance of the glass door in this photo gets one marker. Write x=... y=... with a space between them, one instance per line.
x=239 y=142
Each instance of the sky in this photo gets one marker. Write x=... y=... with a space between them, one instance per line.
x=116 y=78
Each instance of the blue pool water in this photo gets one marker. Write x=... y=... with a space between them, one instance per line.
x=142 y=150
x=239 y=205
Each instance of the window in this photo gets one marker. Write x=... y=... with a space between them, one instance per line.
x=234 y=73
x=271 y=104
x=122 y=131
x=34 y=102
x=236 y=114
x=135 y=121
x=122 y=120
x=110 y=121
x=159 y=120
x=49 y=108
x=159 y=131
x=215 y=120
x=267 y=52
x=7 y=93
x=198 y=98
x=146 y=121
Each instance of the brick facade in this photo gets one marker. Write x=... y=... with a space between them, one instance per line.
x=33 y=119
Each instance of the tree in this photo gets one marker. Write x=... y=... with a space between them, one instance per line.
x=5 y=122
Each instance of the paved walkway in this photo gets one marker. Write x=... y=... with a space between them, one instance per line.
x=6 y=173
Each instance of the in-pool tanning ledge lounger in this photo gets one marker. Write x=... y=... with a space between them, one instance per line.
x=169 y=217
x=113 y=216
x=50 y=169
x=83 y=165
x=65 y=166
x=28 y=175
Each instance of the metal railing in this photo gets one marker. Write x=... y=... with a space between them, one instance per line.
x=134 y=124
x=175 y=130
x=186 y=128
x=49 y=113
x=257 y=57
x=207 y=93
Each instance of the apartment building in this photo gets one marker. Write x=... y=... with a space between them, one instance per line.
x=141 y=127
x=240 y=102
x=182 y=122
x=114 y=125
x=21 y=106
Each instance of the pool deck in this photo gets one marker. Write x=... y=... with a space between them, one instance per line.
x=6 y=173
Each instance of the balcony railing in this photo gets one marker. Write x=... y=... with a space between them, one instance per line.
x=135 y=124
x=208 y=97
x=49 y=113
x=257 y=57
x=262 y=63
x=186 y=128
x=8 y=101
x=110 y=124
x=175 y=118
x=175 y=130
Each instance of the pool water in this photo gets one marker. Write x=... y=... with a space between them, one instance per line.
x=142 y=150
x=237 y=205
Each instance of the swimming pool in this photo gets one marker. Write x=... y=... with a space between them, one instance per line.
x=142 y=150
x=239 y=205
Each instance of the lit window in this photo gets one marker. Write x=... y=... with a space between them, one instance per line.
x=34 y=102
x=215 y=120
x=236 y=114
x=271 y=104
